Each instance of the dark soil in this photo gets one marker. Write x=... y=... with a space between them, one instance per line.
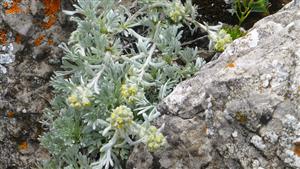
x=214 y=11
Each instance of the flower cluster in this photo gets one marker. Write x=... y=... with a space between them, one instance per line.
x=177 y=11
x=129 y=93
x=80 y=97
x=121 y=117
x=221 y=35
x=222 y=41
x=155 y=139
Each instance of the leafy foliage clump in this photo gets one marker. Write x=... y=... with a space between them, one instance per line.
x=243 y=8
x=118 y=65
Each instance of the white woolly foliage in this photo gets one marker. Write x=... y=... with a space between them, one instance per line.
x=127 y=62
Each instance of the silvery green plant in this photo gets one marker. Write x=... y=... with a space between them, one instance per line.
x=119 y=64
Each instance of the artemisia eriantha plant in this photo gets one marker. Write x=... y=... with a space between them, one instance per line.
x=119 y=64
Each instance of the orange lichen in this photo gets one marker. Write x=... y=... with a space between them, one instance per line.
x=10 y=114
x=230 y=65
x=297 y=148
x=39 y=40
x=51 y=21
x=52 y=7
x=5 y=5
x=23 y=145
x=50 y=42
x=3 y=37
x=18 y=39
x=15 y=8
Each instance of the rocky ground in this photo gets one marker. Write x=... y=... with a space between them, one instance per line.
x=34 y=29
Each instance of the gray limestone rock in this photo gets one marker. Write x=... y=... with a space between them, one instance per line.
x=239 y=111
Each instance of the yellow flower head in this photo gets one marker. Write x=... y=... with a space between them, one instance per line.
x=177 y=12
x=155 y=140
x=80 y=97
x=124 y=91
x=132 y=90
x=121 y=117
x=129 y=93
x=72 y=99
x=223 y=40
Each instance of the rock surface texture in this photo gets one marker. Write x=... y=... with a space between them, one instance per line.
x=241 y=110
x=30 y=31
